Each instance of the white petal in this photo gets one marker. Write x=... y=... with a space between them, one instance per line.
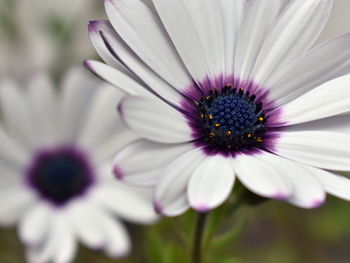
x=12 y=151
x=140 y=163
x=78 y=88
x=295 y=32
x=102 y=122
x=101 y=118
x=144 y=34
x=211 y=183
x=328 y=150
x=273 y=176
x=327 y=100
x=339 y=123
x=103 y=134
x=209 y=21
x=334 y=184
x=232 y=15
x=85 y=225
x=170 y=192
x=117 y=242
x=308 y=191
x=207 y=17
x=14 y=109
x=98 y=230
x=60 y=245
x=259 y=18
x=34 y=225
x=136 y=68
x=133 y=204
x=43 y=106
x=180 y=21
x=155 y=120
x=117 y=78
x=326 y=62
x=14 y=203
x=106 y=151
x=67 y=247
x=263 y=174
x=95 y=28
x=11 y=175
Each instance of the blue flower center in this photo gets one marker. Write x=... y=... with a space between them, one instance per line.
x=231 y=120
x=60 y=175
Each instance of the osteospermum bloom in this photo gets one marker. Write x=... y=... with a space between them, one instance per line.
x=56 y=180
x=228 y=89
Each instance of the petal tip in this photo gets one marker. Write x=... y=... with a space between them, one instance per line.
x=119 y=254
x=92 y=26
x=317 y=203
x=202 y=208
x=117 y=171
x=280 y=196
x=88 y=64
x=120 y=109
x=158 y=208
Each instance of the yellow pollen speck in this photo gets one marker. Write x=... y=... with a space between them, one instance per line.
x=249 y=135
x=210 y=116
x=211 y=135
x=207 y=97
x=217 y=124
x=228 y=133
x=261 y=119
x=259 y=139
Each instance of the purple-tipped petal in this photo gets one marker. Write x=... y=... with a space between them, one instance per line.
x=202 y=208
x=117 y=171
x=211 y=183
x=142 y=31
x=158 y=208
x=336 y=185
x=170 y=192
x=262 y=174
x=317 y=203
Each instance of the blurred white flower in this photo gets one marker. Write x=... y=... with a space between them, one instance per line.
x=40 y=34
x=56 y=181
x=228 y=89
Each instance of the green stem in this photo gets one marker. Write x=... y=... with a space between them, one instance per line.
x=198 y=237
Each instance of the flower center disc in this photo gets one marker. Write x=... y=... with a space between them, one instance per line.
x=230 y=121
x=60 y=175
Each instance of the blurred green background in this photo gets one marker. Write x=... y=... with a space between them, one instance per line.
x=272 y=232
x=51 y=35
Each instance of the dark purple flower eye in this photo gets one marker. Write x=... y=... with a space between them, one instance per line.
x=228 y=120
x=59 y=175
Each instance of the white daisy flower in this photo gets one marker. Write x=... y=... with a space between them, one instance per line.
x=56 y=178
x=228 y=89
